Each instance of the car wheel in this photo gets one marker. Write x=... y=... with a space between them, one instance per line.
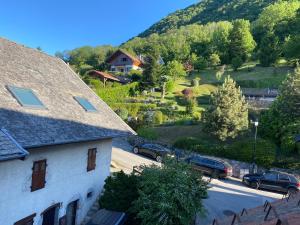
x=135 y=150
x=254 y=185
x=292 y=191
x=159 y=158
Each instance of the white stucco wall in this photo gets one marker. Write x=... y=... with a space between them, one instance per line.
x=67 y=180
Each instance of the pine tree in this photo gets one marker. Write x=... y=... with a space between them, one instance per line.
x=228 y=114
x=242 y=43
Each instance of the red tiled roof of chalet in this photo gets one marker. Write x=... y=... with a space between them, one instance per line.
x=104 y=75
x=280 y=212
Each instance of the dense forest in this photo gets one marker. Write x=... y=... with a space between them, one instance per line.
x=210 y=11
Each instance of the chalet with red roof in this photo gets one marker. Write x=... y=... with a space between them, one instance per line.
x=103 y=76
x=124 y=62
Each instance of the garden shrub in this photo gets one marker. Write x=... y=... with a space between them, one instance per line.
x=158 y=117
x=191 y=106
x=170 y=85
x=195 y=82
x=236 y=62
x=115 y=94
x=123 y=113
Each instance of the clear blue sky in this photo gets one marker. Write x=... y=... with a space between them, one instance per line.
x=57 y=25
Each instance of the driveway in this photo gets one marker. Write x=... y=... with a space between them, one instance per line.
x=225 y=196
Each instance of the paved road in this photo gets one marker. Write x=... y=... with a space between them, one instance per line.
x=225 y=196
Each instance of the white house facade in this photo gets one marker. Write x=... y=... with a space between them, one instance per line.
x=55 y=140
x=67 y=181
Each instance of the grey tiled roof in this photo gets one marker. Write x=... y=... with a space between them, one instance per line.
x=55 y=84
x=9 y=148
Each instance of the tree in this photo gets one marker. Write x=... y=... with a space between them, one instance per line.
x=269 y=49
x=228 y=114
x=284 y=111
x=163 y=83
x=152 y=72
x=242 y=43
x=214 y=60
x=175 y=69
x=170 y=194
x=220 y=41
x=236 y=62
x=119 y=192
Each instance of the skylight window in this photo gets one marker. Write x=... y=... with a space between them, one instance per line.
x=85 y=104
x=26 y=97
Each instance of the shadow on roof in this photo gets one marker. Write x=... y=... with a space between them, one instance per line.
x=32 y=131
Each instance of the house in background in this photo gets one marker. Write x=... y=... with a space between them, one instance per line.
x=55 y=140
x=124 y=62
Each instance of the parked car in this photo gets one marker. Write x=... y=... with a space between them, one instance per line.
x=274 y=181
x=154 y=151
x=210 y=166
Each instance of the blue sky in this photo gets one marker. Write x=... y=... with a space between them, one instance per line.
x=57 y=25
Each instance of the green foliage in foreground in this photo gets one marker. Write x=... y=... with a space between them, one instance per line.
x=167 y=194
x=170 y=194
x=228 y=113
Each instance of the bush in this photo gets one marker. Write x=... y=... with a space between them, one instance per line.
x=157 y=118
x=123 y=113
x=188 y=93
x=201 y=63
x=236 y=62
x=115 y=94
x=147 y=133
x=191 y=106
x=170 y=85
x=195 y=82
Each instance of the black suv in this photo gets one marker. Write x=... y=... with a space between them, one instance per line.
x=210 y=166
x=274 y=181
x=154 y=151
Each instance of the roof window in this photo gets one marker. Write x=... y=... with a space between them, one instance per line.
x=85 y=104
x=26 y=97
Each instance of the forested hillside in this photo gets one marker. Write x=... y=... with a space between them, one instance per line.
x=210 y=11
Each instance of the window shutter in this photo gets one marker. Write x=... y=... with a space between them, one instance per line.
x=91 y=164
x=38 y=175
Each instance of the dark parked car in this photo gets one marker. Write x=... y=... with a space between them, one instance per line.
x=154 y=151
x=274 y=181
x=210 y=166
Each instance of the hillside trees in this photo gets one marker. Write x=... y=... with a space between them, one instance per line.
x=242 y=43
x=274 y=25
x=228 y=113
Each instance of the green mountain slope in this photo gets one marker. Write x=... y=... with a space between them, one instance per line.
x=210 y=11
